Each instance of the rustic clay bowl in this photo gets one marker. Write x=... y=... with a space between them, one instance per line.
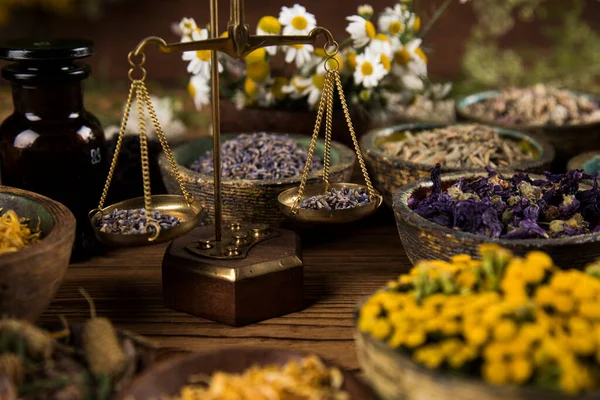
x=568 y=140
x=252 y=201
x=390 y=172
x=167 y=379
x=30 y=277
x=394 y=375
x=425 y=240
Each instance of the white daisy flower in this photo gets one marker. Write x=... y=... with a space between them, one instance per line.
x=295 y=88
x=369 y=69
x=313 y=88
x=199 y=60
x=410 y=59
x=269 y=26
x=394 y=20
x=300 y=53
x=365 y=11
x=296 y=20
x=187 y=26
x=361 y=30
x=381 y=44
x=199 y=88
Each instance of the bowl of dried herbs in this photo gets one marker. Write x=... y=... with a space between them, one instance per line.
x=36 y=239
x=255 y=169
x=400 y=154
x=455 y=213
x=568 y=119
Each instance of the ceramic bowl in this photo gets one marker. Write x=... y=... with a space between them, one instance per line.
x=568 y=140
x=426 y=240
x=391 y=172
x=167 y=379
x=394 y=375
x=589 y=162
x=252 y=201
x=29 y=278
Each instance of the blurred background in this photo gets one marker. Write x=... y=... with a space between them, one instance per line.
x=483 y=43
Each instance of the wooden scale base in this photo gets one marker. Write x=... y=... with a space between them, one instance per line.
x=267 y=283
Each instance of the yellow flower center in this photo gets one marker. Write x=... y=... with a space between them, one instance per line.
x=332 y=64
x=318 y=81
x=270 y=25
x=297 y=46
x=385 y=60
x=370 y=29
x=250 y=87
x=396 y=28
x=192 y=90
x=366 y=68
x=402 y=57
x=296 y=83
x=299 y=22
x=383 y=37
x=203 y=55
x=257 y=55
x=319 y=52
x=417 y=24
x=277 y=87
x=421 y=54
x=258 y=71
x=351 y=60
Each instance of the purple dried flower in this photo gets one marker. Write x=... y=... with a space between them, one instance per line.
x=590 y=203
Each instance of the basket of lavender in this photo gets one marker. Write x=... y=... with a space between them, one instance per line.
x=400 y=154
x=569 y=120
x=455 y=213
x=256 y=168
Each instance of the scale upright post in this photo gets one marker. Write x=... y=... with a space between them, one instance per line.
x=241 y=274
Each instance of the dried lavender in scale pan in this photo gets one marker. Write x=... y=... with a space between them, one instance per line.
x=135 y=222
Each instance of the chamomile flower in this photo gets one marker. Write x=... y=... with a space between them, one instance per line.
x=187 y=26
x=394 y=20
x=199 y=89
x=295 y=88
x=369 y=69
x=199 y=60
x=267 y=26
x=361 y=30
x=300 y=53
x=296 y=20
x=313 y=87
x=365 y=11
x=409 y=58
x=382 y=44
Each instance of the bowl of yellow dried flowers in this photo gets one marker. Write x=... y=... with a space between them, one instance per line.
x=502 y=327
x=246 y=373
x=400 y=154
x=36 y=239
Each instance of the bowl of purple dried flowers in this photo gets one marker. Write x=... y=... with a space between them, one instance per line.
x=256 y=168
x=568 y=119
x=454 y=213
x=400 y=154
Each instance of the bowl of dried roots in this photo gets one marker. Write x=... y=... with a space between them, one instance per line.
x=255 y=169
x=569 y=120
x=401 y=154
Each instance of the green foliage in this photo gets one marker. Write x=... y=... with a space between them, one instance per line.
x=571 y=60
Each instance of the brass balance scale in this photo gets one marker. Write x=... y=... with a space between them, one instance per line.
x=241 y=274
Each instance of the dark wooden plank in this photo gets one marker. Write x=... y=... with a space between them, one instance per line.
x=342 y=265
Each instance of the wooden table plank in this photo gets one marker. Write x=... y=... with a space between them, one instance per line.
x=342 y=265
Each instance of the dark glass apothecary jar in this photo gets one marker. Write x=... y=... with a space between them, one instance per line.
x=50 y=144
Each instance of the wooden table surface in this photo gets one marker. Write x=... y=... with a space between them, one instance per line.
x=342 y=264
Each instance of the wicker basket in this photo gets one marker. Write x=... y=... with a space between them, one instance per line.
x=253 y=201
x=394 y=376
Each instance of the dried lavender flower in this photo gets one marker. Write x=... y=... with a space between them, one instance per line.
x=134 y=222
x=537 y=105
x=337 y=199
x=514 y=208
x=258 y=156
x=460 y=147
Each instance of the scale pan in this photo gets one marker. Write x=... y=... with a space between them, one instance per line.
x=288 y=198
x=189 y=217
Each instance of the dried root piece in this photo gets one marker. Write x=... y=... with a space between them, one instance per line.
x=11 y=366
x=103 y=351
x=38 y=343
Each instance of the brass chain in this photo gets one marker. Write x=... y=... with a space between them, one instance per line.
x=113 y=164
x=313 y=145
x=328 y=93
x=165 y=145
x=144 y=148
x=361 y=161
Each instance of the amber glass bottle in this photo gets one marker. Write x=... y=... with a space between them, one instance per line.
x=51 y=145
